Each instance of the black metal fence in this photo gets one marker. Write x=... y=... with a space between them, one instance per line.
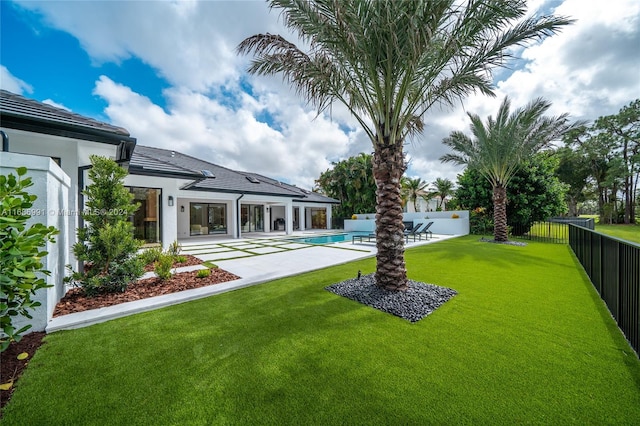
x=553 y=230
x=613 y=266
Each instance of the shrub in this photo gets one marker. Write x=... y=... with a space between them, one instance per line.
x=19 y=255
x=106 y=244
x=181 y=259
x=174 y=248
x=203 y=273
x=163 y=266
x=150 y=255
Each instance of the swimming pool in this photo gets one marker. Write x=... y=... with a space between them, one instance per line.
x=329 y=239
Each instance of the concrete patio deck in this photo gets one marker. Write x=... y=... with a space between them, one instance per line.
x=254 y=269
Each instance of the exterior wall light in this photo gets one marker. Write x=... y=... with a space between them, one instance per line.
x=170 y=199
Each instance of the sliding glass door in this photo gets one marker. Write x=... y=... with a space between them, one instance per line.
x=207 y=218
x=252 y=218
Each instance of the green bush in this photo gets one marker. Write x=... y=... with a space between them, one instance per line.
x=180 y=259
x=203 y=273
x=20 y=255
x=163 y=266
x=150 y=255
x=174 y=249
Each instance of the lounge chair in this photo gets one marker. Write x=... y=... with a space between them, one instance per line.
x=413 y=232
x=427 y=233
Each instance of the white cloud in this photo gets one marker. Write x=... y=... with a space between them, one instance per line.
x=12 y=83
x=203 y=127
x=55 y=104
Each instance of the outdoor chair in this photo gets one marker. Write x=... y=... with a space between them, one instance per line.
x=413 y=232
x=427 y=233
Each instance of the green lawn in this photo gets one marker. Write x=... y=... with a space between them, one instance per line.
x=526 y=341
x=625 y=232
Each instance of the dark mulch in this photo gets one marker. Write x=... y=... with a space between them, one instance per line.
x=76 y=301
x=11 y=368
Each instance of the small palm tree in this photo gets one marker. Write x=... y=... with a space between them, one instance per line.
x=388 y=62
x=500 y=146
x=411 y=190
x=444 y=189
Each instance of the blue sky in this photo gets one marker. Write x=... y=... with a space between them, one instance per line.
x=167 y=72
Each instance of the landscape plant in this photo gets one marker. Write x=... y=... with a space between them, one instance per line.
x=162 y=266
x=21 y=251
x=534 y=194
x=389 y=62
x=499 y=148
x=106 y=243
x=203 y=273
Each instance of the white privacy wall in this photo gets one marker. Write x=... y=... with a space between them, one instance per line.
x=443 y=222
x=51 y=208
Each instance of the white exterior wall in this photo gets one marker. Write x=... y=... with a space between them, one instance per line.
x=51 y=208
x=443 y=223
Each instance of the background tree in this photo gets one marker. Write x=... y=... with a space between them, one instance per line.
x=534 y=193
x=106 y=244
x=574 y=171
x=20 y=255
x=500 y=147
x=388 y=62
x=610 y=147
x=443 y=190
x=412 y=189
x=623 y=130
x=351 y=182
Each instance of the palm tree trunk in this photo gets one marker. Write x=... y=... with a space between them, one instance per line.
x=388 y=167
x=500 y=231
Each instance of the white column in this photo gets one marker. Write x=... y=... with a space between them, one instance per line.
x=328 y=216
x=288 y=214
x=302 y=215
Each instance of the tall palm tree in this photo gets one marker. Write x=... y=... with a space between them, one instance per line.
x=388 y=62
x=444 y=188
x=411 y=189
x=500 y=146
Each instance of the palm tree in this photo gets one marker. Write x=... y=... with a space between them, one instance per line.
x=500 y=146
x=411 y=189
x=444 y=188
x=388 y=62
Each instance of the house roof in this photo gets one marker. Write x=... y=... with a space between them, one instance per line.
x=212 y=177
x=18 y=112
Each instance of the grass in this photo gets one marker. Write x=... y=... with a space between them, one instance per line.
x=624 y=232
x=526 y=340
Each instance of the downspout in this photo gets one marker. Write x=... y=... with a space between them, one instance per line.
x=5 y=141
x=238 y=214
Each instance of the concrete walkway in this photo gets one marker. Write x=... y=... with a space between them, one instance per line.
x=253 y=270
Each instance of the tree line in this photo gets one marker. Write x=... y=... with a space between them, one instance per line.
x=595 y=170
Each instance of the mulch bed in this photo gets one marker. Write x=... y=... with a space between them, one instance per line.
x=75 y=301
x=11 y=368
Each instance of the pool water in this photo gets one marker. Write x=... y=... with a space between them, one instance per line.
x=329 y=239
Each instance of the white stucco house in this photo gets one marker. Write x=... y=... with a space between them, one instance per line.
x=181 y=197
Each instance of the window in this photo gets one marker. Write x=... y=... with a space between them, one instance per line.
x=146 y=220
